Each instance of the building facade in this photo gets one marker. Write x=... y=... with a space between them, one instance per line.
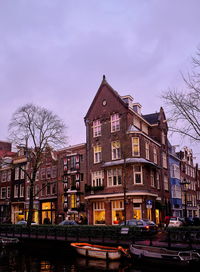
x=127 y=166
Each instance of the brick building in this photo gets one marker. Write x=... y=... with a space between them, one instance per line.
x=127 y=166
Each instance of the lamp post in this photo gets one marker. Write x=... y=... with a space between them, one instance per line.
x=184 y=185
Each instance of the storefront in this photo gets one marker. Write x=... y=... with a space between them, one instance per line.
x=48 y=212
x=17 y=212
x=117 y=211
x=99 y=213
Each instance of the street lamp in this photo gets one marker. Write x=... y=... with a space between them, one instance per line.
x=184 y=185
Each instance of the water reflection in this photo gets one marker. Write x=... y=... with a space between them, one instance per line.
x=55 y=260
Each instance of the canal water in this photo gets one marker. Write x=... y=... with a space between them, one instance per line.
x=28 y=259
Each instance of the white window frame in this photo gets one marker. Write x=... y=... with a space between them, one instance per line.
x=147 y=150
x=22 y=174
x=155 y=155
x=8 y=192
x=96 y=128
x=16 y=173
x=16 y=190
x=114 y=177
x=21 y=190
x=115 y=122
x=97 y=153
x=158 y=180
x=137 y=146
x=3 y=192
x=137 y=173
x=116 y=150
x=97 y=178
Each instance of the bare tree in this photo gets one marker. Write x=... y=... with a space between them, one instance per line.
x=184 y=106
x=37 y=129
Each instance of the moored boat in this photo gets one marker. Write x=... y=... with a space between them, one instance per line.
x=163 y=255
x=8 y=241
x=99 y=252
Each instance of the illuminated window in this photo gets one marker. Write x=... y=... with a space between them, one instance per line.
x=117 y=211
x=115 y=122
x=116 y=153
x=135 y=146
x=99 y=213
x=96 y=128
x=114 y=177
x=137 y=171
x=97 y=154
x=73 y=201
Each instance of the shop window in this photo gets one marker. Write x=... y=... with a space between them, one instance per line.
x=137 y=211
x=117 y=211
x=99 y=213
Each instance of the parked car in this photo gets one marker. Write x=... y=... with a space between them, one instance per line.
x=24 y=222
x=196 y=221
x=68 y=222
x=152 y=224
x=176 y=222
x=139 y=223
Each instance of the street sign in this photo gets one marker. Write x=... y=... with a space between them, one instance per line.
x=149 y=204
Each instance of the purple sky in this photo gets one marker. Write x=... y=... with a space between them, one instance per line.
x=54 y=53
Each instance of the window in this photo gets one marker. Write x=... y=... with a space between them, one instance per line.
x=114 y=177
x=158 y=180
x=21 y=190
x=3 y=176
x=135 y=146
x=9 y=175
x=99 y=212
x=43 y=173
x=115 y=122
x=8 y=192
x=53 y=188
x=48 y=172
x=37 y=175
x=155 y=157
x=54 y=172
x=116 y=154
x=147 y=150
x=22 y=175
x=27 y=192
x=164 y=160
x=73 y=201
x=16 y=190
x=152 y=178
x=36 y=190
x=166 y=183
x=3 y=192
x=43 y=189
x=97 y=154
x=137 y=174
x=48 y=188
x=97 y=178
x=16 y=173
x=96 y=128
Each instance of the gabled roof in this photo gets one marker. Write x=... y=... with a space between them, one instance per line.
x=105 y=83
x=152 y=118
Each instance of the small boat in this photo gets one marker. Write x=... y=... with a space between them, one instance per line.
x=99 y=252
x=163 y=255
x=4 y=241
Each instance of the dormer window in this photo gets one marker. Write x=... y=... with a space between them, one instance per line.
x=115 y=122
x=96 y=128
